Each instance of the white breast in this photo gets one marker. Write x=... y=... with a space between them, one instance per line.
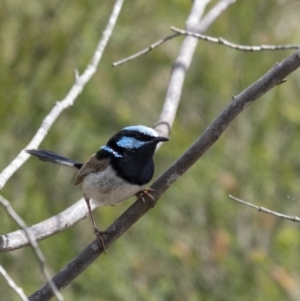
x=106 y=188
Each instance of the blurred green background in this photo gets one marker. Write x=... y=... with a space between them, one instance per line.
x=196 y=244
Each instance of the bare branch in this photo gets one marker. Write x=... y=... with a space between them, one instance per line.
x=13 y=285
x=145 y=51
x=60 y=222
x=177 y=169
x=80 y=82
x=265 y=210
x=184 y=59
x=37 y=251
x=232 y=45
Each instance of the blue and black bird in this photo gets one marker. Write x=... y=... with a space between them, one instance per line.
x=119 y=170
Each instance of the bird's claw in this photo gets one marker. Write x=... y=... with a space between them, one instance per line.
x=100 y=239
x=146 y=191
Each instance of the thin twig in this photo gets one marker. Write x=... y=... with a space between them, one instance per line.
x=37 y=251
x=232 y=45
x=76 y=89
x=145 y=51
x=175 y=171
x=266 y=210
x=13 y=285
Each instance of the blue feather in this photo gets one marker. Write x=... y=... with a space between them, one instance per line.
x=129 y=142
x=110 y=150
x=142 y=129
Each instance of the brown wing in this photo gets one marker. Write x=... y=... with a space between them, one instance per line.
x=92 y=165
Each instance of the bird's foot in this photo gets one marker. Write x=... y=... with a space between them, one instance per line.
x=146 y=191
x=100 y=239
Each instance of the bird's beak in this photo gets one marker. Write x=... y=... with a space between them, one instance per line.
x=161 y=139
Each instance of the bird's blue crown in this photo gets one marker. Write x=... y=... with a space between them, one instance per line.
x=142 y=129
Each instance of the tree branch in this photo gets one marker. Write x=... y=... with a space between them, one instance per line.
x=177 y=169
x=58 y=223
x=232 y=45
x=265 y=210
x=145 y=51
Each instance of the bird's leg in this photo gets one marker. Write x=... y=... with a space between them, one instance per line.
x=146 y=191
x=97 y=232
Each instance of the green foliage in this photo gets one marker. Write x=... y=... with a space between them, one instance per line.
x=196 y=244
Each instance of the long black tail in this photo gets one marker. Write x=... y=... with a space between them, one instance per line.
x=52 y=157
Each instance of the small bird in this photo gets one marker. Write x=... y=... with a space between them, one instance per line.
x=118 y=171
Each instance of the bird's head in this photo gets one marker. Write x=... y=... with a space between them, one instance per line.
x=131 y=151
x=137 y=139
